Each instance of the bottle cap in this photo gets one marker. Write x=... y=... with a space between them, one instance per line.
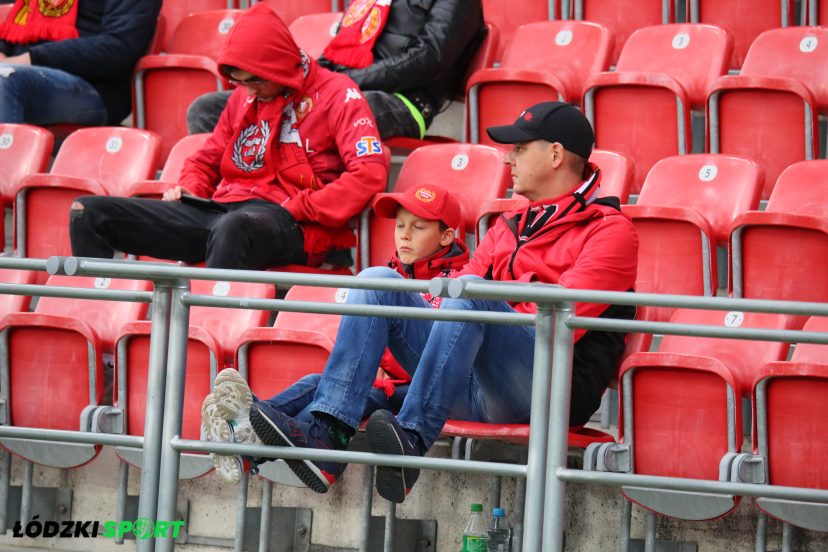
x=498 y=512
x=476 y=507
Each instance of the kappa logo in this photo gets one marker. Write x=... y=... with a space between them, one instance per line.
x=364 y=121
x=352 y=94
x=368 y=145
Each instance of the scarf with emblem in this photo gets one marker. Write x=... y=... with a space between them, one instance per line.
x=361 y=25
x=35 y=20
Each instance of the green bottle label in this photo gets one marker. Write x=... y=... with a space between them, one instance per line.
x=475 y=544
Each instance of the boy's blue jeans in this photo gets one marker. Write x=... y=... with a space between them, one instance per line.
x=460 y=370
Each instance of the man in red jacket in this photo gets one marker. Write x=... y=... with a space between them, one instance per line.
x=295 y=156
x=472 y=371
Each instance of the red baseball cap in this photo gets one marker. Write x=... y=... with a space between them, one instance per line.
x=430 y=202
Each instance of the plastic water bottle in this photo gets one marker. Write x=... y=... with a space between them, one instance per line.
x=475 y=536
x=500 y=535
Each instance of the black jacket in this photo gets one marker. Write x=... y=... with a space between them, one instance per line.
x=425 y=48
x=114 y=34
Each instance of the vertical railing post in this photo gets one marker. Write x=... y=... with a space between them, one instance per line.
x=156 y=379
x=555 y=495
x=173 y=410
x=536 y=460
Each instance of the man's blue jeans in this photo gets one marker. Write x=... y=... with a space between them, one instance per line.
x=45 y=96
x=460 y=370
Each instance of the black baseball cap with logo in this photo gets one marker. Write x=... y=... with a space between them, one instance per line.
x=550 y=121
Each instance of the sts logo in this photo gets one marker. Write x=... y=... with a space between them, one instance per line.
x=368 y=145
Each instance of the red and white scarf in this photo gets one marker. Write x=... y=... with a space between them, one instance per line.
x=35 y=20
x=362 y=23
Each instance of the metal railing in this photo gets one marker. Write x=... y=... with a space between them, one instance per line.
x=545 y=471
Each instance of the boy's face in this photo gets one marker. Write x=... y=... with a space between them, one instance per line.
x=418 y=238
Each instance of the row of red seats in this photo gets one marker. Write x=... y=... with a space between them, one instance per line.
x=681 y=417
x=643 y=109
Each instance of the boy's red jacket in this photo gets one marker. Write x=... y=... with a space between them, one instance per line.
x=442 y=263
x=325 y=118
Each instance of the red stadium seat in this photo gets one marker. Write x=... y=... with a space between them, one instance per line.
x=189 y=68
x=55 y=357
x=15 y=303
x=686 y=208
x=24 y=150
x=779 y=253
x=791 y=432
x=475 y=173
x=312 y=32
x=99 y=160
x=212 y=338
x=290 y=10
x=507 y=16
x=565 y=54
x=745 y=19
x=179 y=153
x=175 y=11
x=769 y=111
x=624 y=17
x=662 y=74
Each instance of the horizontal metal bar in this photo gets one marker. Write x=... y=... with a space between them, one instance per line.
x=65 y=436
x=75 y=266
x=697 y=330
x=691 y=485
x=467 y=288
x=77 y=293
x=547 y=293
x=515 y=319
x=442 y=464
x=23 y=263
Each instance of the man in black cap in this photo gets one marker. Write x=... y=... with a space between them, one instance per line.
x=567 y=235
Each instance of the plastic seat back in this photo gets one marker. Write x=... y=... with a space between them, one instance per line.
x=298 y=344
x=188 y=67
x=312 y=32
x=101 y=160
x=624 y=17
x=509 y=16
x=475 y=173
x=745 y=19
x=290 y=10
x=662 y=74
x=15 y=303
x=742 y=357
x=24 y=150
x=778 y=253
x=565 y=54
x=791 y=430
x=769 y=111
x=617 y=176
x=175 y=11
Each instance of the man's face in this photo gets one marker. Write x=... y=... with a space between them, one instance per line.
x=263 y=89
x=417 y=238
x=532 y=167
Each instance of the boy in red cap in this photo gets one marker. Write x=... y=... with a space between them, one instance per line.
x=426 y=247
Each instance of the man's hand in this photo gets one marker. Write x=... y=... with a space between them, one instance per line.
x=22 y=59
x=174 y=194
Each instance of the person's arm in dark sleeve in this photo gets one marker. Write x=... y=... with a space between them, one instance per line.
x=127 y=28
x=451 y=26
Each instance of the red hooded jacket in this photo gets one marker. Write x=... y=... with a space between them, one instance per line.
x=593 y=248
x=324 y=123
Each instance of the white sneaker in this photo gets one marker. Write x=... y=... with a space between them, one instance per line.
x=225 y=419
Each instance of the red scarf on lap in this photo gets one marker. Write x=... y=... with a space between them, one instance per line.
x=35 y=20
x=362 y=23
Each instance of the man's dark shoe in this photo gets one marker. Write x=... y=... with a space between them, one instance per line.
x=385 y=436
x=277 y=429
